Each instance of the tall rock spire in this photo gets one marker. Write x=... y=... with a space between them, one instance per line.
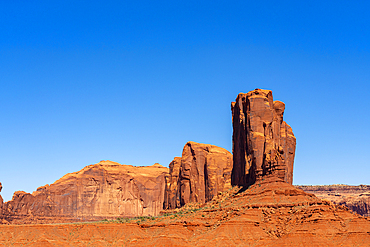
x=263 y=144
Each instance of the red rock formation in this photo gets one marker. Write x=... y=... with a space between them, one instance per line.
x=263 y=144
x=270 y=214
x=3 y=216
x=1 y=187
x=205 y=170
x=103 y=190
x=172 y=191
x=1 y=200
x=356 y=198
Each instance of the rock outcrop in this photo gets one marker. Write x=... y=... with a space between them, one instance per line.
x=172 y=198
x=356 y=198
x=263 y=144
x=3 y=215
x=270 y=214
x=200 y=174
x=1 y=201
x=103 y=190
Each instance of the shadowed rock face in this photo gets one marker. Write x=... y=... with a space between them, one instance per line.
x=200 y=174
x=103 y=190
x=3 y=214
x=263 y=144
x=1 y=201
x=172 y=191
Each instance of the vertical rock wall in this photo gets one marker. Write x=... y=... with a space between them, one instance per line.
x=263 y=144
x=103 y=190
x=172 y=191
x=204 y=171
x=1 y=201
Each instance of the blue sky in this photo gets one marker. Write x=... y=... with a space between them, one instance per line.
x=133 y=81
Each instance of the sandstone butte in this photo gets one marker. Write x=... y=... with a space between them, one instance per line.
x=200 y=174
x=104 y=190
x=263 y=208
x=263 y=144
x=109 y=190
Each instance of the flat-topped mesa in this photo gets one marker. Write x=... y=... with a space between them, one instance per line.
x=263 y=144
x=201 y=173
x=103 y=190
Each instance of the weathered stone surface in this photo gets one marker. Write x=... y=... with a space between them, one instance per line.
x=3 y=216
x=205 y=170
x=172 y=191
x=263 y=144
x=266 y=214
x=103 y=190
x=356 y=198
x=1 y=200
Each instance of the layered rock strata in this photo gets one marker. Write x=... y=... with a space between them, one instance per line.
x=103 y=190
x=271 y=214
x=263 y=143
x=356 y=198
x=200 y=174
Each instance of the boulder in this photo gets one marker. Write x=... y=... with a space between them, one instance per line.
x=201 y=173
x=103 y=190
x=263 y=144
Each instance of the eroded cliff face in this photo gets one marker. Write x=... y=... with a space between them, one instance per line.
x=200 y=174
x=103 y=190
x=3 y=215
x=356 y=198
x=172 y=191
x=263 y=144
x=1 y=201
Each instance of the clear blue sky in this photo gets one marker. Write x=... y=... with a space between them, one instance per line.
x=133 y=81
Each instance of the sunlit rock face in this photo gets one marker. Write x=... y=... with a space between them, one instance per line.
x=200 y=174
x=103 y=190
x=172 y=192
x=263 y=144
